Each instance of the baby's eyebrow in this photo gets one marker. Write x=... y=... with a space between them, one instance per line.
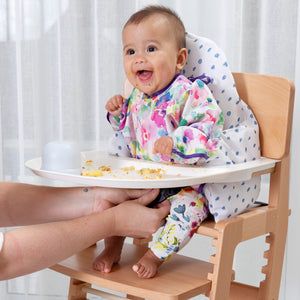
x=126 y=46
x=147 y=42
x=152 y=41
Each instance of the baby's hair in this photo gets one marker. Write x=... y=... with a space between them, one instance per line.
x=172 y=16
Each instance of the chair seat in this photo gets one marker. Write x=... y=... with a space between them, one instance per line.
x=167 y=284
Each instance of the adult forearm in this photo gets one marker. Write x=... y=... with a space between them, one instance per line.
x=25 y=204
x=33 y=248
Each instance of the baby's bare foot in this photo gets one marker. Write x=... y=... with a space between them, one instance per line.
x=148 y=265
x=110 y=255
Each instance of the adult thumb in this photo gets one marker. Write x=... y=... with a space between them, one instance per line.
x=148 y=197
x=164 y=210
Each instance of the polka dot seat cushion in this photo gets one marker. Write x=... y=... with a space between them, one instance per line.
x=240 y=138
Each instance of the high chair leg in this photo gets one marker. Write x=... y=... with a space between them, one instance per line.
x=75 y=289
x=269 y=288
x=223 y=261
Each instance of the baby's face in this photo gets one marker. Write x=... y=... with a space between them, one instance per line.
x=151 y=56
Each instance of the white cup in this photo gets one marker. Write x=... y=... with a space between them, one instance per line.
x=61 y=156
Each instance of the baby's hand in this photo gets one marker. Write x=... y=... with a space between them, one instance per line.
x=164 y=146
x=114 y=105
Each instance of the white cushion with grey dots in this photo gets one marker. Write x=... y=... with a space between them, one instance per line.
x=240 y=138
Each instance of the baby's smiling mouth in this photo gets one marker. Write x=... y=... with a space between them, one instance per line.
x=144 y=75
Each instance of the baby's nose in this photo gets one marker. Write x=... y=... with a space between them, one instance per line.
x=140 y=59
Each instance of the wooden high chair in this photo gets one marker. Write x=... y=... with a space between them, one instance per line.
x=271 y=100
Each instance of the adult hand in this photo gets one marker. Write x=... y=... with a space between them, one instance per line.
x=134 y=219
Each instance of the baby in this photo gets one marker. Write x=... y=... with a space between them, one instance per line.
x=167 y=118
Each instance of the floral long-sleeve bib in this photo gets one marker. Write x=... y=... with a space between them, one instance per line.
x=186 y=111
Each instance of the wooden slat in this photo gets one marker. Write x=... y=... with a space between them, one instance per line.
x=208 y=228
x=243 y=292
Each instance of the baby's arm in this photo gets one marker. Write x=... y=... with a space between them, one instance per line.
x=114 y=105
x=197 y=137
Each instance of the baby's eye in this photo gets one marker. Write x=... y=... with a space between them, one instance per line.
x=130 y=51
x=151 y=49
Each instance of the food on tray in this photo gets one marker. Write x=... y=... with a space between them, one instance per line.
x=88 y=162
x=148 y=171
x=131 y=168
x=92 y=173
x=128 y=172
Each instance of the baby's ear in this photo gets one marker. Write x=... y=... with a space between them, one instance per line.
x=181 y=59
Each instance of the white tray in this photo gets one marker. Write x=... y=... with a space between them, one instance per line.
x=175 y=175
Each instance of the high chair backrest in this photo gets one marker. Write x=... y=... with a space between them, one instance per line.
x=272 y=110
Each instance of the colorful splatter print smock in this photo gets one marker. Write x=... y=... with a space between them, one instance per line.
x=185 y=111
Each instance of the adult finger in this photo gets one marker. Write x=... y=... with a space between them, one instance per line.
x=148 y=197
x=163 y=211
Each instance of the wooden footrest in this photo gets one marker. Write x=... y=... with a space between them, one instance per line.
x=181 y=276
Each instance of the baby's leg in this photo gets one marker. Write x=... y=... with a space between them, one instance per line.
x=110 y=255
x=188 y=210
x=148 y=265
